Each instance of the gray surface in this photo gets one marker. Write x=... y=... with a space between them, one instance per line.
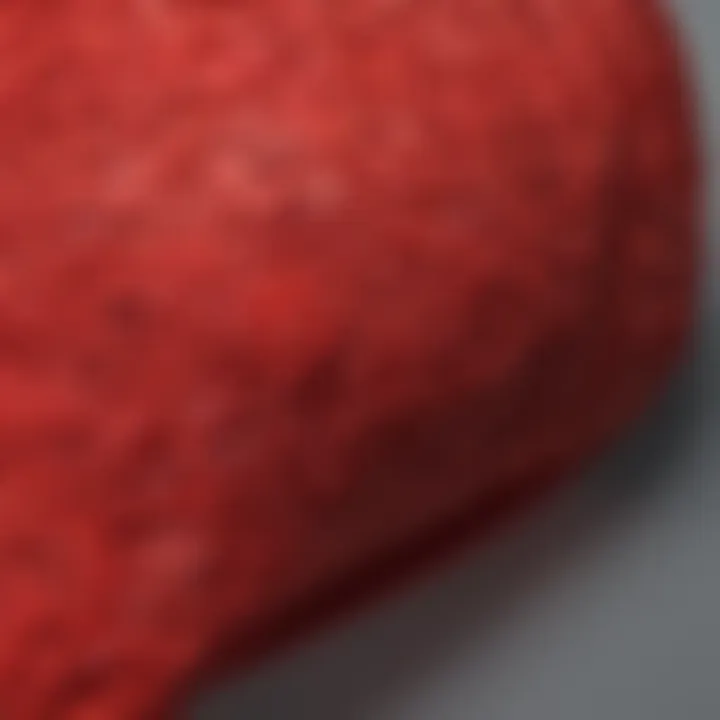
x=605 y=609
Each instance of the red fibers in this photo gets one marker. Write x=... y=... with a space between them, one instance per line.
x=293 y=293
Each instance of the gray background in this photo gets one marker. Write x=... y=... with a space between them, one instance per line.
x=606 y=608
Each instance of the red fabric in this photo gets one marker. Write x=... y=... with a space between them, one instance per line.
x=296 y=296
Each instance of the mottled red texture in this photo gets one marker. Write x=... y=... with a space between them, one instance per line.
x=291 y=291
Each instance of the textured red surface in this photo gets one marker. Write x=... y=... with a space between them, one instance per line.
x=293 y=292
